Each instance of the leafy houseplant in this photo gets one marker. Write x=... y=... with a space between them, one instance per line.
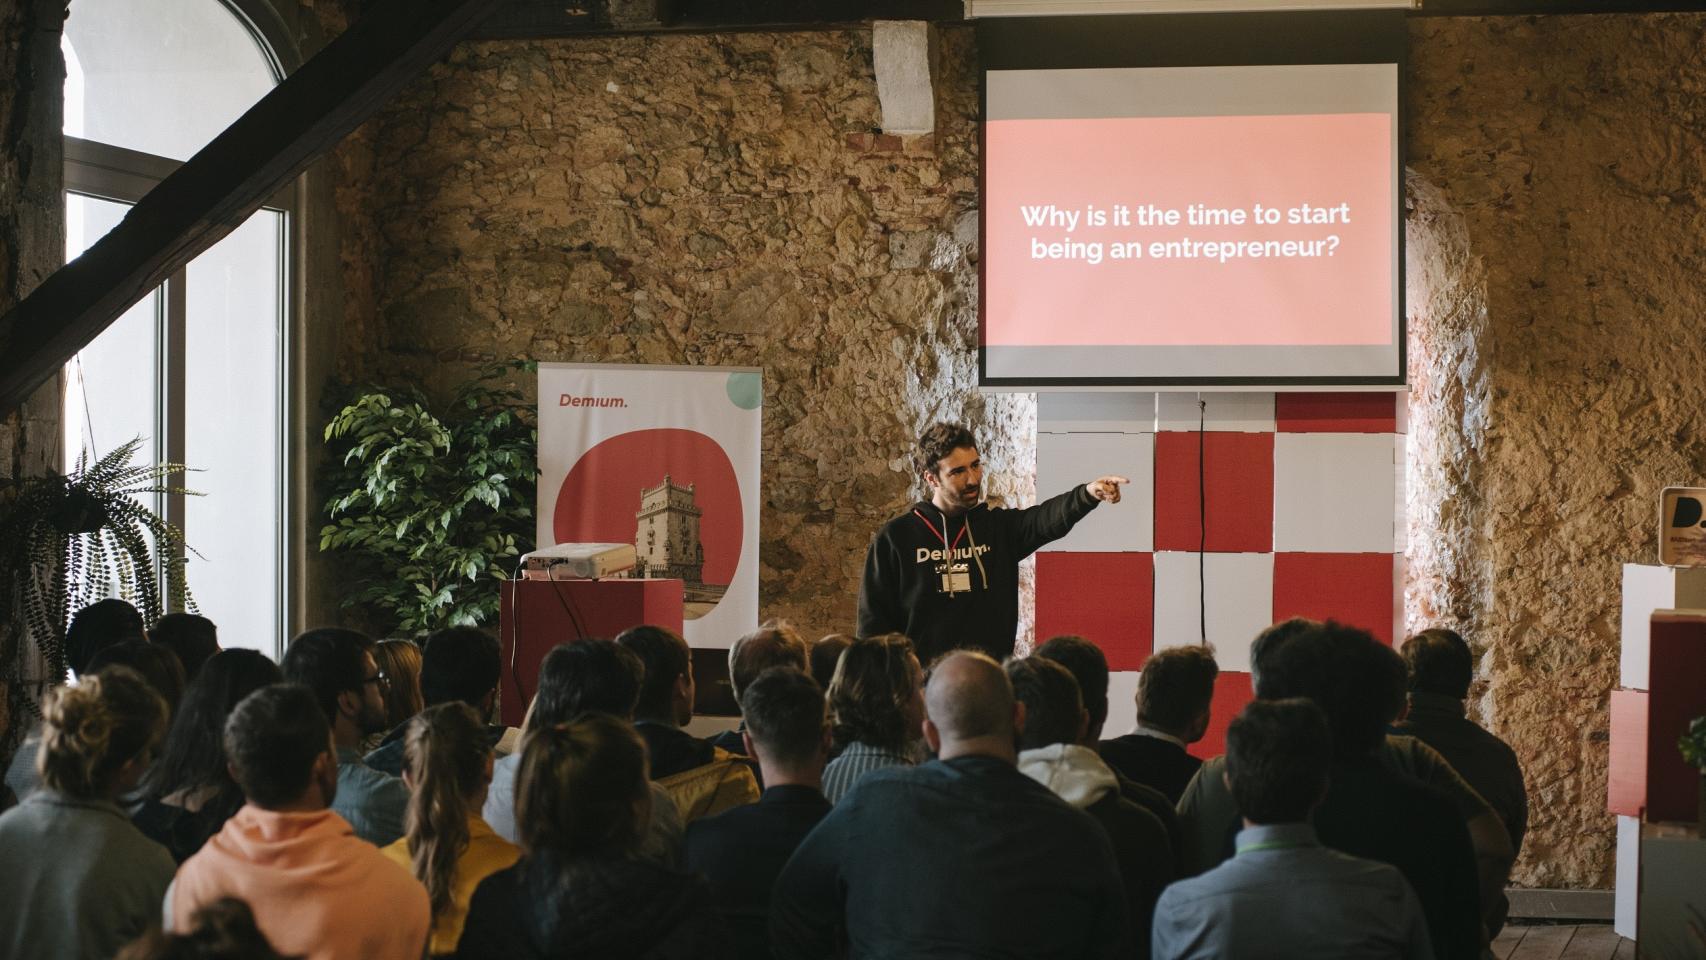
x=428 y=506
x=67 y=541
x=1693 y=747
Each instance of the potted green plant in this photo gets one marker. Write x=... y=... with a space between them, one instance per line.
x=431 y=505
x=1693 y=747
x=67 y=541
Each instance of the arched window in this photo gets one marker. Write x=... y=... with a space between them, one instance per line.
x=197 y=369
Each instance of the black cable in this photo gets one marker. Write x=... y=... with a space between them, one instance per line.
x=1202 y=517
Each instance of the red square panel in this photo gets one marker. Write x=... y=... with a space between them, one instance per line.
x=1353 y=588
x=1626 y=788
x=1108 y=598
x=1231 y=693
x=1676 y=697
x=1336 y=412
x=1240 y=491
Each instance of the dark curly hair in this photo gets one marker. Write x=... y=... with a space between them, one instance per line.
x=939 y=441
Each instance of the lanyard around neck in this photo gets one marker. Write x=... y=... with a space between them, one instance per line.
x=941 y=535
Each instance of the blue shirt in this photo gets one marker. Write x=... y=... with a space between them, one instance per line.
x=1285 y=895
x=374 y=803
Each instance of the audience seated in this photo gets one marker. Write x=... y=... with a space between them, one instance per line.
x=586 y=676
x=338 y=666
x=447 y=763
x=742 y=850
x=876 y=709
x=223 y=930
x=1174 y=693
x=700 y=778
x=580 y=890
x=1089 y=666
x=1284 y=894
x=101 y=624
x=774 y=644
x=191 y=636
x=316 y=889
x=1050 y=753
x=188 y=793
x=824 y=655
x=458 y=665
x=400 y=661
x=960 y=856
x=157 y=665
x=79 y=881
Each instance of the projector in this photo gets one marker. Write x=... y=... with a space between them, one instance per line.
x=578 y=561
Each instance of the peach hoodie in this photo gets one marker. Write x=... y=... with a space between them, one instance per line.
x=316 y=889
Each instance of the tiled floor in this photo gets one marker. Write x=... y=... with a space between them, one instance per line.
x=1589 y=941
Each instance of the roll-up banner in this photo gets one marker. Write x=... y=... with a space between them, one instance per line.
x=665 y=458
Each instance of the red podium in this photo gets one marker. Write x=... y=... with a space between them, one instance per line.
x=536 y=615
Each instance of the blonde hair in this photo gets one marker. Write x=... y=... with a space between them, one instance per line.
x=401 y=662
x=90 y=731
x=445 y=750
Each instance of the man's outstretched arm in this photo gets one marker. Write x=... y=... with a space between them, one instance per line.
x=1055 y=517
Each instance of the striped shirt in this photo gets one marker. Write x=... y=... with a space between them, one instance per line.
x=856 y=761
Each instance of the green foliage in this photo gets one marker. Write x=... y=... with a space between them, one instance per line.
x=67 y=541
x=1693 y=744
x=431 y=508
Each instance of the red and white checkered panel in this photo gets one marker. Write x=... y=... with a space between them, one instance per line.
x=1304 y=519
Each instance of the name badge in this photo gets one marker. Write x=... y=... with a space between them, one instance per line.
x=956 y=579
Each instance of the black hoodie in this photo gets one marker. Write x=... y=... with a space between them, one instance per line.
x=910 y=588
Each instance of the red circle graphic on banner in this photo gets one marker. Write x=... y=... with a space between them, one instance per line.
x=600 y=499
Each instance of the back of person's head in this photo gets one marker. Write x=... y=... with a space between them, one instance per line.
x=193 y=755
x=1269 y=642
x=1356 y=680
x=158 y=665
x=667 y=660
x=774 y=644
x=969 y=698
x=825 y=654
x=447 y=761
x=460 y=663
x=875 y=682
x=273 y=739
x=1088 y=665
x=91 y=731
x=1439 y=662
x=191 y=636
x=586 y=676
x=1175 y=690
x=784 y=711
x=1278 y=754
x=400 y=661
x=329 y=662
x=1054 y=711
x=100 y=624
x=223 y=930
x=582 y=789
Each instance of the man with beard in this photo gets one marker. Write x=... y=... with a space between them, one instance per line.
x=946 y=573
x=338 y=666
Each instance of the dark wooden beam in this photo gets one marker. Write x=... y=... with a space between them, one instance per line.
x=1511 y=8
x=215 y=190
x=544 y=19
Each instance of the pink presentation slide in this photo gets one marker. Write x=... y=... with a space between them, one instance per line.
x=1181 y=231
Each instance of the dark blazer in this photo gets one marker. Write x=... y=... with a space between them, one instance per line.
x=1153 y=761
x=741 y=852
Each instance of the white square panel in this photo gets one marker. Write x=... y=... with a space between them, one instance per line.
x=1333 y=492
x=1095 y=412
x=1122 y=704
x=1065 y=460
x=1628 y=876
x=1648 y=587
x=1400 y=494
x=1240 y=602
x=1237 y=412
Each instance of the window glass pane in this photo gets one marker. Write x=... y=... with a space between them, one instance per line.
x=110 y=390
x=231 y=432
x=159 y=76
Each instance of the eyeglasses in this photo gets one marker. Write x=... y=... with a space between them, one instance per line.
x=379 y=678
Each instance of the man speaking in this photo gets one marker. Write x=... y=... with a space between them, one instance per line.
x=946 y=573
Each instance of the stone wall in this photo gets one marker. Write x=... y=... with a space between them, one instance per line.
x=1564 y=157
x=722 y=199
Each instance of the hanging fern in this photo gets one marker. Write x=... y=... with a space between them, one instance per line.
x=67 y=541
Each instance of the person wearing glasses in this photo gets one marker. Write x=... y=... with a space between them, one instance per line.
x=338 y=666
